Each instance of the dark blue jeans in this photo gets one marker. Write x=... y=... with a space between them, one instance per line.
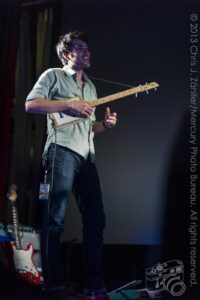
x=67 y=171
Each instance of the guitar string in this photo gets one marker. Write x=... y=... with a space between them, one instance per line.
x=110 y=81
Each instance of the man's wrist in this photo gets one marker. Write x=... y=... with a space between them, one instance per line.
x=104 y=125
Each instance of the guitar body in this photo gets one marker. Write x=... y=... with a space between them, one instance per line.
x=23 y=258
x=24 y=265
x=60 y=119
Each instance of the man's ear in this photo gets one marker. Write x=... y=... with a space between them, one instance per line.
x=65 y=55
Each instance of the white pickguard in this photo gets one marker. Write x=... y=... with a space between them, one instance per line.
x=23 y=261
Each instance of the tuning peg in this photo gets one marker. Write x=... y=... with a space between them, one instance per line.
x=136 y=95
x=146 y=85
x=155 y=89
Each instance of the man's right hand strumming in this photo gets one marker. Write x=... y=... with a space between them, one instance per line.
x=78 y=109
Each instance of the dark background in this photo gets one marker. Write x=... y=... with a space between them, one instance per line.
x=135 y=42
x=143 y=163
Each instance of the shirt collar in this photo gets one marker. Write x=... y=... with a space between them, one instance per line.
x=68 y=70
x=71 y=72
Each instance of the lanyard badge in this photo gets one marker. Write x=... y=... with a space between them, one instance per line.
x=44 y=188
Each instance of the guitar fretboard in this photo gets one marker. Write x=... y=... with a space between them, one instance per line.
x=134 y=90
x=16 y=226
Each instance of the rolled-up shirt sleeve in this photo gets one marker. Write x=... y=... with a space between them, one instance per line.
x=42 y=88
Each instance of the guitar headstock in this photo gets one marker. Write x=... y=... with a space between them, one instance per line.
x=149 y=86
x=12 y=194
x=146 y=87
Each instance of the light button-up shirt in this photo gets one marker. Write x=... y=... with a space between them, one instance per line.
x=57 y=84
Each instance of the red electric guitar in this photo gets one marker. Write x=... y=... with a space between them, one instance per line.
x=23 y=258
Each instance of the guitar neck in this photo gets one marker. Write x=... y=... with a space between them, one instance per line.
x=16 y=226
x=132 y=91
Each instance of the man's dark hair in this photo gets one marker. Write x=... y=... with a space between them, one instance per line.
x=65 y=42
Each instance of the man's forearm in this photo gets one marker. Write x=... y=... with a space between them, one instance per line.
x=75 y=107
x=43 y=106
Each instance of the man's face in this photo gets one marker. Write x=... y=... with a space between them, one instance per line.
x=79 y=55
